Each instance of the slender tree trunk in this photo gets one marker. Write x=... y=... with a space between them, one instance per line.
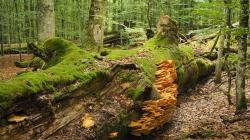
x=9 y=28
x=19 y=41
x=96 y=23
x=46 y=20
x=241 y=103
x=1 y=27
x=148 y=13
x=219 y=63
x=27 y=25
x=228 y=14
x=80 y=21
x=225 y=39
x=1 y=30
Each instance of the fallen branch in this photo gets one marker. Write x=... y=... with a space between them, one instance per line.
x=233 y=119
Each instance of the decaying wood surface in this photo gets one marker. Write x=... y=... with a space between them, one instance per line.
x=158 y=112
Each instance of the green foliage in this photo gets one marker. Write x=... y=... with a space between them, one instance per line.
x=134 y=35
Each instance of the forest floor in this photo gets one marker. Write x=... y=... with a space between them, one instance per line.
x=202 y=114
x=8 y=68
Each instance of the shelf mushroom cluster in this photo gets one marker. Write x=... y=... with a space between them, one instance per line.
x=160 y=111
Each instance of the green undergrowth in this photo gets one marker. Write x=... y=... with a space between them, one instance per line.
x=69 y=64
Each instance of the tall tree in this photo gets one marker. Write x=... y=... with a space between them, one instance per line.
x=96 y=23
x=241 y=103
x=46 y=20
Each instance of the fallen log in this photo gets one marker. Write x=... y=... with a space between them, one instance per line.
x=110 y=91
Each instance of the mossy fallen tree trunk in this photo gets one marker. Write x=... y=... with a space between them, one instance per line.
x=111 y=90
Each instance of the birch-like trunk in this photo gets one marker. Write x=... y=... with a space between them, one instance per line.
x=96 y=23
x=46 y=20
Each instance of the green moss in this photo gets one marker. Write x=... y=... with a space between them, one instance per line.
x=233 y=58
x=36 y=63
x=187 y=67
x=119 y=54
x=136 y=92
x=126 y=76
x=68 y=66
x=65 y=68
x=205 y=67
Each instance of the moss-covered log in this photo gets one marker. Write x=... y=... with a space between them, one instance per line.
x=67 y=66
x=110 y=90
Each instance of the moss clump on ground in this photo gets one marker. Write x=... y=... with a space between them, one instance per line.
x=64 y=68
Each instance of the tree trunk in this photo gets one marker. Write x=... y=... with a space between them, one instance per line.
x=225 y=39
x=96 y=23
x=149 y=13
x=46 y=20
x=1 y=30
x=219 y=64
x=19 y=41
x=241 y=103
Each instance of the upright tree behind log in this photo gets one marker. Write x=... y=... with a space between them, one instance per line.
x=241 y=103
x=225 y=39
x=46 y=20
x=219 y=62
x=96 y=23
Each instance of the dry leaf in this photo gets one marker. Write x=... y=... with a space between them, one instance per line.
x=87 y=121
x=125 y=85
x=17 y=119
x=113 y=135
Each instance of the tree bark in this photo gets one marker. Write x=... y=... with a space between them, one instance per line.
x=46 y=20
x=225 y=39
x=96 y=23
x=1 y=29
x=219 y=64
x=241 y=103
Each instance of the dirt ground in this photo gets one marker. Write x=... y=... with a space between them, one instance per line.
x=8 y=68
x=200 y=114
